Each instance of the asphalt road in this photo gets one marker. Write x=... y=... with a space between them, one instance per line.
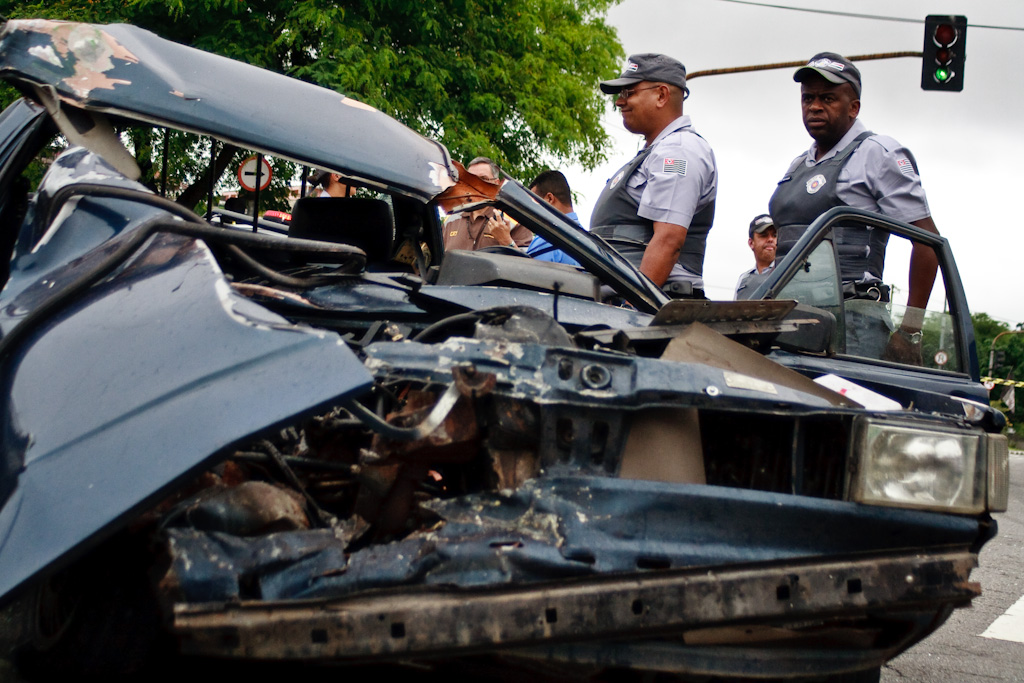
x=983 y=643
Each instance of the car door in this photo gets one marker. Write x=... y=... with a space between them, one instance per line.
x=919 y=356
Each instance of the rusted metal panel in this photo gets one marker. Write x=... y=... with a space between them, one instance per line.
x=513 y=468
x=439 y=622
x=86 y=51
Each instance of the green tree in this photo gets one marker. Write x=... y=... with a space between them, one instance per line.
x=986 y=330
x=515 y=80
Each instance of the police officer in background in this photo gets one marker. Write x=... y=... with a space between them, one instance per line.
x=485 y=227
x=762 y=241
x=657 y=209
x=847 y=165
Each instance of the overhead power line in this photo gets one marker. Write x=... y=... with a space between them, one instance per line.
x=856 y=15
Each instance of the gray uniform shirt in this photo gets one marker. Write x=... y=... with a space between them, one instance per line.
x=676 y=180
x=878 y=176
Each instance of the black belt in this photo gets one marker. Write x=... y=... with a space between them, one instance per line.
x=871 y=291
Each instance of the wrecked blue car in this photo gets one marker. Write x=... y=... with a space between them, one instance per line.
x=332 y=442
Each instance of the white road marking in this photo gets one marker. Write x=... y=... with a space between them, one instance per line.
x=1010 y=626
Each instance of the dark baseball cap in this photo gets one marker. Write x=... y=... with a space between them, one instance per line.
x=648 y=66
x=833 y=67
x=760 y=224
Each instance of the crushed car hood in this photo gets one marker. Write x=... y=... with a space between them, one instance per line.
x=125 y=70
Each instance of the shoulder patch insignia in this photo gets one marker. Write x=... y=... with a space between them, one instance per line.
x=906 y=168
x=674 y=166
x=815 y=183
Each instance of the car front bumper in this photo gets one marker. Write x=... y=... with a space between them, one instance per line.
x=786 y=618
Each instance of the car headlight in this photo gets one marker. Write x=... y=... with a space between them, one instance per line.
x=927 y=468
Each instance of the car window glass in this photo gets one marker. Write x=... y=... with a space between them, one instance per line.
x=937 y=345
x=873 y=313
x=816 y=283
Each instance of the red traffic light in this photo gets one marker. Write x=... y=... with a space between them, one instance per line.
x=945 y=35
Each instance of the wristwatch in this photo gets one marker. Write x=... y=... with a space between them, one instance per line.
x=912 y=337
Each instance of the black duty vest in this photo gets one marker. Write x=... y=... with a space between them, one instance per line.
x=750 y=282
x=615 y=219
x=806 y=192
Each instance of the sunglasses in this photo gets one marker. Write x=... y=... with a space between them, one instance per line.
x=626 y=93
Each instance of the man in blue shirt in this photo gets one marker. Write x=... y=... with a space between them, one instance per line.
x=553 y=188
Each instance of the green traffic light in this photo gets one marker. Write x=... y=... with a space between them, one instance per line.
x=943 y=52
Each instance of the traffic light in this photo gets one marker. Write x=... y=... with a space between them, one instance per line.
x=945 y=41
x=999 y=360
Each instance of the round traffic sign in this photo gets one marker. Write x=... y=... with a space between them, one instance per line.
x=247 y=173
x=990 y=385
x=941 y=358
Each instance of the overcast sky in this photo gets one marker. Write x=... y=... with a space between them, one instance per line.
x=969 y=145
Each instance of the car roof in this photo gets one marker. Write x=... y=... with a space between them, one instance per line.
x=130 y=72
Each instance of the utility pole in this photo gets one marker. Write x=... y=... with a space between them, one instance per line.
x=790 y=65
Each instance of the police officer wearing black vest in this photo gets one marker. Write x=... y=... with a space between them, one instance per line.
x=762 y=241
x=657 y=209
x=848 y=165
